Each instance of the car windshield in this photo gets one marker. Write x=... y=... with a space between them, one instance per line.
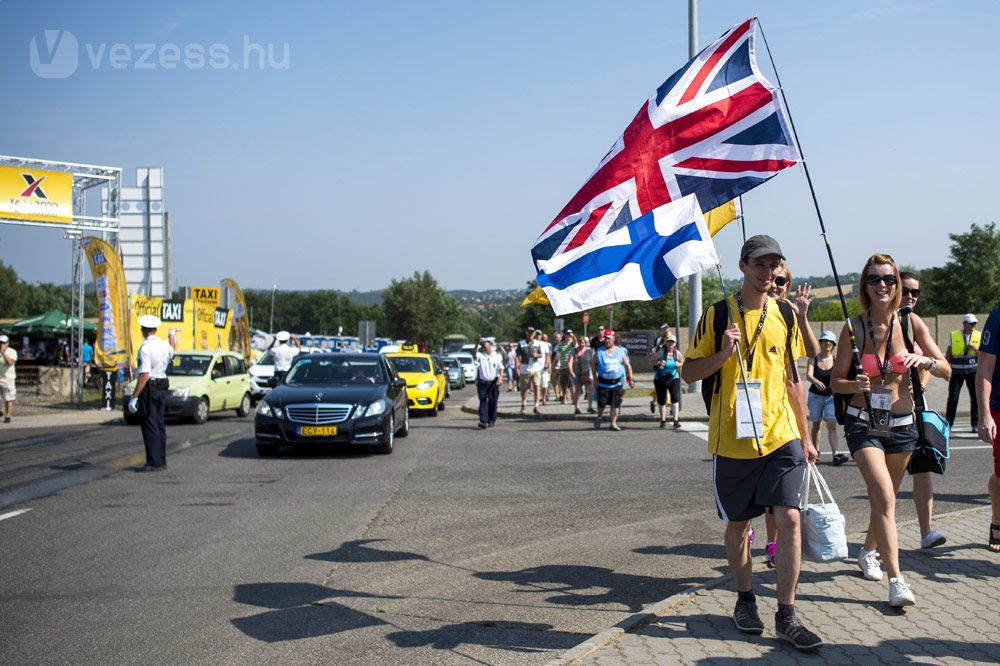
x=188 y=366
x=313 y=371
x=451 y=363
x=266 y=359
x=464 y=358
x=410 y=364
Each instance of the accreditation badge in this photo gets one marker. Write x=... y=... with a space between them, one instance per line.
x=749 y=413
x=881 y=416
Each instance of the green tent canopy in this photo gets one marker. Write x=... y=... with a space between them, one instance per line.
x=53 y=322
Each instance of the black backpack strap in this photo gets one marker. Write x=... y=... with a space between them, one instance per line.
x=720 y=322
x=785 y=308
x=918 y=388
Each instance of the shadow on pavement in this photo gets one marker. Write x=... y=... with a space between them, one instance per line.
x=246 y=448
x=512 y=636
x=576 y=585
x=713 y=551
x=975 y=499
x=302 y=610
x=358 y=551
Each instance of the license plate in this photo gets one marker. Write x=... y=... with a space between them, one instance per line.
x=317 y=431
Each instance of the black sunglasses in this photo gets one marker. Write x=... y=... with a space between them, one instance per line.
x=780 y=281
x=911 y=292
x=889 y=279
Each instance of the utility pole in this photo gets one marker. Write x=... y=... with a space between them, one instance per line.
x=694 y=282
x=270 y=328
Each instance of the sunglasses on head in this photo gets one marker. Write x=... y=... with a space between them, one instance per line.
x=911 y=292
x=780 y=281
x=889 y=279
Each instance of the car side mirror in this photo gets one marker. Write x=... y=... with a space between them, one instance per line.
x=399 y=382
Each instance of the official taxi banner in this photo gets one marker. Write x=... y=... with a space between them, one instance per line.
x=239 y=332
x=176 y=317
x=114 y=343
x=36 y=195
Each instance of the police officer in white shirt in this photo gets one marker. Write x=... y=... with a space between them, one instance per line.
x=150 y=396
x=488 y=380
x=283 y=355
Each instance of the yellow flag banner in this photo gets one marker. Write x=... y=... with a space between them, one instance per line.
x=114 y=344
x=239 y=332
x=536 y=296
x=176 y=317
x=723 y=215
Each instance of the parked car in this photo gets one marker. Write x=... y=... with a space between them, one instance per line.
x=442 y=374
x=202 y=382
x=456 y=373
x=424 y=387
x=469 y=365
x=262 y=373
x=352 y=398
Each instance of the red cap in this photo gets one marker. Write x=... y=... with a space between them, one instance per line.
x=608 y=333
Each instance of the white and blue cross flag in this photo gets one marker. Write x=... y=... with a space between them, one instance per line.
x=638 y=262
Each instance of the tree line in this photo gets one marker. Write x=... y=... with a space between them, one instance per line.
x=418 y=309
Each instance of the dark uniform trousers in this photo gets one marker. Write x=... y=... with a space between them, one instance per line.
x=152 y=408
x=955 y=391
x=489 y=393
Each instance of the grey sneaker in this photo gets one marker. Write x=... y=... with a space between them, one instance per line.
x=793 y=631
x=746 y=619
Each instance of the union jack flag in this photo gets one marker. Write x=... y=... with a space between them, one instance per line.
x=716 y=129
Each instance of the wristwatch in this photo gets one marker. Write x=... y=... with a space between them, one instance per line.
x=933 y=364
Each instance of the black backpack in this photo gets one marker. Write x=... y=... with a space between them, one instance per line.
x=720 y=322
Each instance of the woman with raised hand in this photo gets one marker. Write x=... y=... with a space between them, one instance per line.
x=880 y=426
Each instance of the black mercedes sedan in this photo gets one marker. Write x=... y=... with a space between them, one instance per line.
x=335 y=398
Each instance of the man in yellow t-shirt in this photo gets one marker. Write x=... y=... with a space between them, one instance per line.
x=759 y=453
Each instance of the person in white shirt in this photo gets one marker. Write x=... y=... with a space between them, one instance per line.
x=8 y=376
x=543 y=342
x=149 y=399
x=283 y=354
x=489 y=376
x=530 y=364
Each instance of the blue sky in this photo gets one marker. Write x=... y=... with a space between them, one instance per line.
x=402 y=136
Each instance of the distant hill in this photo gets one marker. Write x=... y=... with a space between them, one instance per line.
x=463 y=296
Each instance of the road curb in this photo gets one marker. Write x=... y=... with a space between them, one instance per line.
x=651 y=613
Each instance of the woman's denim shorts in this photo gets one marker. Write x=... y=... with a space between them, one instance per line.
x=902 y=439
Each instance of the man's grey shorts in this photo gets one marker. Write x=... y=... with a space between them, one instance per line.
x=745 y=488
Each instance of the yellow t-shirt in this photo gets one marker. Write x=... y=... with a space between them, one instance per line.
x=770 y=367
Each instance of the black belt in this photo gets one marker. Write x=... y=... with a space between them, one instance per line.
x=162 y=383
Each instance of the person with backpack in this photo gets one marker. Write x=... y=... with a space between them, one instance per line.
x=880 y=425
x=757 y=431
x=667 y=378
x=612 y=370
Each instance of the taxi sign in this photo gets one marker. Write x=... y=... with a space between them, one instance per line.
x=409 y=348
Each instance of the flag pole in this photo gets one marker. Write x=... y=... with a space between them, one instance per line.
x=739 y=356
x=819 y=215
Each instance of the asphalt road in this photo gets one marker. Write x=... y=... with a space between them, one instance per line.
x=503 y=546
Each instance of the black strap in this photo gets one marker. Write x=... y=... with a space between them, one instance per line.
x=751 y=343
x=882 y=365
x=785 y=308
x=918 y=388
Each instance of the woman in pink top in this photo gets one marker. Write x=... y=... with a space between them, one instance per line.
x=881 y=397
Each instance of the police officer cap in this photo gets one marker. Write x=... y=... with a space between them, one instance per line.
x=149 y=321
x=970 y=319
x=4 y=338
x=282 y=336
x=760 y=246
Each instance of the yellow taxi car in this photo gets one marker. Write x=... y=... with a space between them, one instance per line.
x=425 y=385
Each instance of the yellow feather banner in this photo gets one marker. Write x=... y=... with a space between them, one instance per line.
x=723 y=215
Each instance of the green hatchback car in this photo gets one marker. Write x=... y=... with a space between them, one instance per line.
x=202 y=382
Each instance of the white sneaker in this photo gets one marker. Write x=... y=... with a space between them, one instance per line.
x=899 y=593
x=933 y=538
x=868 y=561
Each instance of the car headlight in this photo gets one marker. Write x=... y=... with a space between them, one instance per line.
x=180 y=392
x=374 y=409
x=424 y=386
x=268 y=410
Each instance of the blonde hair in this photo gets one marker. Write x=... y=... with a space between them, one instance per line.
x=883 y=260
x=788 y=275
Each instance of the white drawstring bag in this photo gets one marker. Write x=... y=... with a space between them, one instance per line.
x=824 y=534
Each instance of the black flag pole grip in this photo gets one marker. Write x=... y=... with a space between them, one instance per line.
x=822 y=227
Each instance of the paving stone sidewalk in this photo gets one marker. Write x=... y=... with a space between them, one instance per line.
x=956 y=619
